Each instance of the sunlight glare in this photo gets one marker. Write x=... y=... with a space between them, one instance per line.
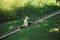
x=54 y=30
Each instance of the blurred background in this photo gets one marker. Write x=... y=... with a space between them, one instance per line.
x=13 y=12
x=16 y=9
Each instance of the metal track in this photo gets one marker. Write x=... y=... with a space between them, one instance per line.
x=35 y=22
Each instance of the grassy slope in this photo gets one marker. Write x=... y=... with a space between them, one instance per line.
x=35 y=13
x=32 y=13
x=40 y=31
x=5 y=27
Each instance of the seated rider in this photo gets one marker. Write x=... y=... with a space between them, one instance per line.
x=26 y=23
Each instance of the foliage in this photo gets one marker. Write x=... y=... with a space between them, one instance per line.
x=18 y=9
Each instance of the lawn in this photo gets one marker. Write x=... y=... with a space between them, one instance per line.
x=46 y=30
x=33 y=9
x=14 y=12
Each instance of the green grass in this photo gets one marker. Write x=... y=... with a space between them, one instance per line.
x=33 y=14
x=40 y=31
x=35 y=9
x=18 y=9
x=5 y=27
x=8 y=26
